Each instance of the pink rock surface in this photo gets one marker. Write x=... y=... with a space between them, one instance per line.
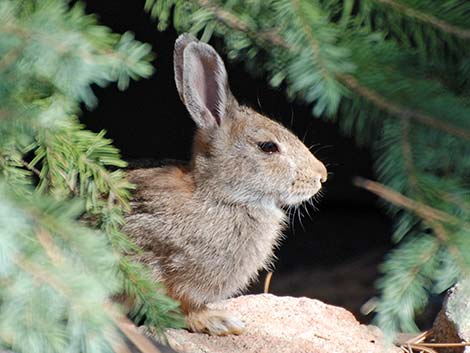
x=285 y=325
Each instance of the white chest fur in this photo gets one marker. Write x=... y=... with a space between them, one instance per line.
x=237 y=243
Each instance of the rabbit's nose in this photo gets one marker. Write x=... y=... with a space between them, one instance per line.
x=322 y=173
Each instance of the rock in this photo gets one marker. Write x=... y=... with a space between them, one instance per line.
x=349 y=283
x=452 y=324
x=285 y=325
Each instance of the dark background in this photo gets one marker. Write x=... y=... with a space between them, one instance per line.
x=333 y=254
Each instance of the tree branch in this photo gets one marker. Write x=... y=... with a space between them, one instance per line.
x=314 y=44
x=439 y=229
x=426 y=18
x=273 y=37
x=31 y=168
x=126 y=326
x=402 y=112
x=234 y=22
x=422 y=210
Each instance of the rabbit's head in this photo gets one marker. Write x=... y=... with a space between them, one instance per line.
x=238 y=153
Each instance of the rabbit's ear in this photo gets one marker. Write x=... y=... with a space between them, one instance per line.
x=205 y=87
x=178 y=60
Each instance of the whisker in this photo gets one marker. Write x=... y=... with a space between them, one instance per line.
x=318 y=195
x=290 y=218
x=305 y=206
x=305 y=136
x=312 y=200
x=299 y=215
x=322 y=148
x=259 y=102
x=313 y=146
x=292 y=117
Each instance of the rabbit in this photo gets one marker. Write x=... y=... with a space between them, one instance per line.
x=207 y=227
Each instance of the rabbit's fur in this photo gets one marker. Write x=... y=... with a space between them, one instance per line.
x=208 y=227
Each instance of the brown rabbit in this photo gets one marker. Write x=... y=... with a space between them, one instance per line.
x=208 y=227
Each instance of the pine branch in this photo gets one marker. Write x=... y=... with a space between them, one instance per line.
x=426 y=18
x=401 y=112
x=423 y=211
x=405 y=284
x=126 y=326
x=9 y=58
x=232 y=21
x=437 y=227
x=25 y=245
x=149 y=298
x=274 y=38
x=434 y=218
x=52 y=54
x=31 y=168
x=313 y=42
x=52 y=38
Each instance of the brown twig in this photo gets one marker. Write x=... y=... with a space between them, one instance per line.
x=31 y=168
x=417 y=343
x=420 y=348
x=118 y=345
x=422 y=210
x=430 y=215
x=267 y=282
x=433 y=217
x=10 y=57
x=40 y=274
x=402 y=339
x=133 y=334
x=49 y=247
x=430 y=19
x=438 y=345
x=400 y=111
x=409 y=345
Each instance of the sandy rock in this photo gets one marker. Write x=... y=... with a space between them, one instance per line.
x=285 y=325
x=451 y=324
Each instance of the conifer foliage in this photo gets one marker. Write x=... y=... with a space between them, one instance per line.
x=395 y=75
x=62 y=195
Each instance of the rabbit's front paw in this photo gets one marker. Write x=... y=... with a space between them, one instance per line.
x=214 y=322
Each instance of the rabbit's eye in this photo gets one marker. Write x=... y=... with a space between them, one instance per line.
x=268 y=147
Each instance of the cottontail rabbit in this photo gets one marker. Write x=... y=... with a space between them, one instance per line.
x=208 y=227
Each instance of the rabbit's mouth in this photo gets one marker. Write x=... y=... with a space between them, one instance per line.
x=296 y=199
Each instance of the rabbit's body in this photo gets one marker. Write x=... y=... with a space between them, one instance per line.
x=212 y=248
x=209 y=227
